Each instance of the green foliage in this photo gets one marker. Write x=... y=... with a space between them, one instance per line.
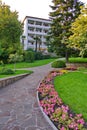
x=29 y=56
x=58 y=64
x=38 y=55
x=78 y=39
x=6 y=71
x=30 y=49
x=28 y=65
x=17 y=72
x=46 y=56
x=64 y=13
x=10 y=31
x=15 y=58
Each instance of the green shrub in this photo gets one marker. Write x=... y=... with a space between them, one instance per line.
x=29 y=56
x=38 y=56
x=13 y=58
x=46 y=56
x=6 y=71
x=58 y=64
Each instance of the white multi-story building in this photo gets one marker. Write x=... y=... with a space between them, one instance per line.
x=35 y=27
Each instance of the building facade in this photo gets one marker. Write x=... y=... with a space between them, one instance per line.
x=35 y=27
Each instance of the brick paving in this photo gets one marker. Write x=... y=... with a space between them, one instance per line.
x=19 y=109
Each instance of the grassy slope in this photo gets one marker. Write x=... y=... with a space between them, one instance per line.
x=17 y=72
x=28 y=65
x=72 y=88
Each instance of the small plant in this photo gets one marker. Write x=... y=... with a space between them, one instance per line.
x=38 y=56
x=58 y=64
x=6 y=71
x=29 y=56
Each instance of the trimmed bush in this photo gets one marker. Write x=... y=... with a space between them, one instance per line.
x=29 y=56
x=6 y=71
x=47 y=56
x=58 y=64
x=38 y=56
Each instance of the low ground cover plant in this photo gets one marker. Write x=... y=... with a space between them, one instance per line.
x=58 y=64
x=6 y=71
x=9 y=72
x=59 y=113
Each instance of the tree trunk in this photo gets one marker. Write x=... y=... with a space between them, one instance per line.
x=66 y=56
x=39 y=46
x=36 y=46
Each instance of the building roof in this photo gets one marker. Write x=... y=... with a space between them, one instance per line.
x=36 y=18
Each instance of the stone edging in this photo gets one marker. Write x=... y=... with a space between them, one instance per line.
x=46 y=117
x=6 y=81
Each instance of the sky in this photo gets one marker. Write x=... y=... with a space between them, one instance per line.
x=35 y=8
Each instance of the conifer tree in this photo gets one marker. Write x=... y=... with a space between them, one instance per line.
x=64 y=12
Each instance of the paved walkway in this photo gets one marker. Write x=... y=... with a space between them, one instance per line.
x=19 y=109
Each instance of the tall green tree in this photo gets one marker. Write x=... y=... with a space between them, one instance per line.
x=64 y=12
x=10 y=30
x=78 y=39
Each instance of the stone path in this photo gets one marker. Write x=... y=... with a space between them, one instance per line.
x=19 y=109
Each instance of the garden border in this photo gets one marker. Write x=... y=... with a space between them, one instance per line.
x=46 y=117
x=6 y=81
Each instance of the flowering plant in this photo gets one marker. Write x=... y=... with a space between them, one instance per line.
x=53 y=106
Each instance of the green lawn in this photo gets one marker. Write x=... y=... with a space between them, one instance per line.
x=28 y=65
x=78 y=60
x=72 y=88
x=17 y=72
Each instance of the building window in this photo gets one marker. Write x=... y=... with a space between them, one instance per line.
x=46 y=24
x=31 y=35
x=38 y=30
x=45 y=31
x=38 y=23
x=30 y=29
x=32 y=43
x=30 y=21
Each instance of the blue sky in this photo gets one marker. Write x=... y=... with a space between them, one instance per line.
x=35 y=8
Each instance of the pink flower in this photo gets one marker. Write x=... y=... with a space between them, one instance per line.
x=53 y=106
x=81 y=121
x=62 y=128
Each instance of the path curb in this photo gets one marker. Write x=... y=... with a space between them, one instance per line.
x=6 y=81
x=46 y=117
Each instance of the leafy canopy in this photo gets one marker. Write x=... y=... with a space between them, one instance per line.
x=78 y=39
x=10 y=31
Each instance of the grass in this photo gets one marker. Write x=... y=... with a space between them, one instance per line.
x=78 y=60
x=17 y=72
x=28 y=65
x=72 y=89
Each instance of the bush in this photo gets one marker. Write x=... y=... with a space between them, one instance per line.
x=38 y=56
x=15 y=58
x=6 y=71
x=29 y=56
x=46 y=56
x=58 y=64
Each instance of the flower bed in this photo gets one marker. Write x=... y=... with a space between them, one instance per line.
x=55 y=109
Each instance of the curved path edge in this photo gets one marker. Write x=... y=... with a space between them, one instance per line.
x=46 y=117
